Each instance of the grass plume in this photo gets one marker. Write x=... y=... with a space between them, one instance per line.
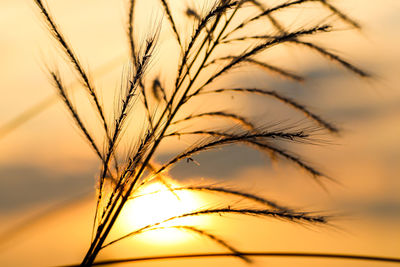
x=225 y=22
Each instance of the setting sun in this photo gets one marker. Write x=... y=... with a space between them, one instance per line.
x=155 y=203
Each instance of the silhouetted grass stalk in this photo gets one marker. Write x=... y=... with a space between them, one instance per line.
x=211 y=30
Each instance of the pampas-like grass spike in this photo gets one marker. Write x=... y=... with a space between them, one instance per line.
x=218 y=27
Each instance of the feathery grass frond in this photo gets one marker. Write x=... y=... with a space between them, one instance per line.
x=130 y=30
x=171 y=20
x=263 y=46
x=74 y=60
x=300 y=217
x=266 y=13
x=200 y=232
x=268 y=67
x=64 y=96
x=228 y=191
x=215 y=13
x=235 y=117
x=166 y=104
x=285 y=73
x=228 y=138
x=324 y=52
x=223 y=139
x=303 y=109
x=340 y=14
x=355 y=257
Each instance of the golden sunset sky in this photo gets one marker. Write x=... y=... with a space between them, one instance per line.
x=46 y=165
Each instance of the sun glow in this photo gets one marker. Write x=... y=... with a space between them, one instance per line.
x=155 y=203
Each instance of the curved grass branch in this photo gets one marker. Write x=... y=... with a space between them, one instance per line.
x=132 y=46
x=221 y=140
x=127 y=173
x=298 y=217
x=296 y=136
x=75 y=62
x=266 y=13
x=284 y=99
x=310 y=255
x=134 y=57
x=63 y=94
x=265 y=66
x=274 y=69
x=227 y=191
x=210 y=32
x=228 y=138
x=117 y=129
x=232 y=116
x=125 y=108
x=319 y=49
x=340 y=14
x=292 y=158
x=200 y=232
x=164 y=181
x=215 y=13
x=171 y=21
x=262 y=47
x=347 y=65
x=39 y=107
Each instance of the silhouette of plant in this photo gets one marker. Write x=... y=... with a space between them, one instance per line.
x=220 y=42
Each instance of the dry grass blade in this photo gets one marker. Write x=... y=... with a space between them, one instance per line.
x=216 y=13
x=251 y=254
x=319 y=49
x=295 y=136
x=266 y=13
x=284 y=73
x=287 y=155
x=283 y=99
x=323 y=51
x=339 y=13
x=74 y=60
x=153 y=169
x=228 y=138
x=204 y=233
x=34 y=110
x=223 y=139
x=128 y=172
x=334 y=58
x=130 y=30
x=129 y=96
x=134 y=57
x=120 y=119
x=300 y=217
x=224 y=190
x=261 y=47
x=235 y=117
x=171 y=20
x=268 y=67
x=270 y=17
x=206 y=45
x=216 y=239
x=191 y=13
x=63 y=94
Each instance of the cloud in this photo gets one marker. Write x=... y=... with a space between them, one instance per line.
x=26 y=186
